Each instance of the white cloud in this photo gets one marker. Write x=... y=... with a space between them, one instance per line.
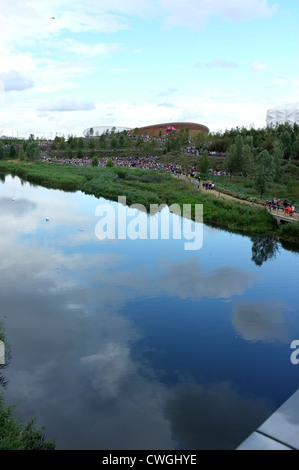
x=19 y=62
x=257 y=66
x=197 y=13
x=260 y=321
x=83 y=49
x=168 y=92
x=278 y=81
x=31 y=21
x=166 y=105
x=67 y=104
x=190 y=280
x=14 y=81
x=219 y=62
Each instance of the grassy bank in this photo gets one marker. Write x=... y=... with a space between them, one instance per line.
x=16 y=436
x=243 y=188
x=151 y=187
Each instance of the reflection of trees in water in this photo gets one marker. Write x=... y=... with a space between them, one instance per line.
x=3 y=382
x=263 y=249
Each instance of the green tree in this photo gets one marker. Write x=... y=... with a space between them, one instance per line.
x=81 y=143
x=121 y=140
x=109 y=163
x=149 y=148
x=204 y=163
x=231 y=164
x=139 y=143
x=62 y=144
x=91 y=144
x=173 y=143
x=21 y=154
x=12 y=151
x=102 y=141
x=114 y=143
x=32 y=151
x=239 y=153
x=278 y=153
x=71 y=142
x=128 y=143
x=183 y=136
x=247 y=160
x=295 y=148
x=286 y=141
x=3 y=152
x=94 y=161
x=264 y=172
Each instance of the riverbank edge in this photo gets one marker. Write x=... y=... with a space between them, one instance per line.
x=247 y=220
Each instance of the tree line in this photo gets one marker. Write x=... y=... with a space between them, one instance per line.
x=25 y=150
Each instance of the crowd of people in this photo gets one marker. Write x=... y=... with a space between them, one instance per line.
x=275 y=204
x=144 y=163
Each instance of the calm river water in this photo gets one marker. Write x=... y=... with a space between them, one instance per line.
x=140 y=344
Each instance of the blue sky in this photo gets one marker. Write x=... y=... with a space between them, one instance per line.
x=130 y=63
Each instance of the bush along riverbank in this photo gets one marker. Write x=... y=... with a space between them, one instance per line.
x=148 y=187
x=16 y=436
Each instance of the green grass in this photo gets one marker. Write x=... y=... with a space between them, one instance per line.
x=147 y=187
x=290 y=232
x=16 y=436
x=242 y=188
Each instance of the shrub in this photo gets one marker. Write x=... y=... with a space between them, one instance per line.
x=16 y=436
x=290 y=231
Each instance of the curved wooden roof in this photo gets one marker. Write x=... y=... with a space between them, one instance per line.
x=155 y=129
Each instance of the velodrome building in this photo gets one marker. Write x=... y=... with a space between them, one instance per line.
x=164 y=128
x=154 y=130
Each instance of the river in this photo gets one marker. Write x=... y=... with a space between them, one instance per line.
x=140 y=344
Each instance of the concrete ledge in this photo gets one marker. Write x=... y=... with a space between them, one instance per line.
x=257 y=441
x=2 y=353
x=280 y=431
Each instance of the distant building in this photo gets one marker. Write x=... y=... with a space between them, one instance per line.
x=285 y=114
x=151 y=131
x=99 y=130
x=9 y=137
x=165 y=128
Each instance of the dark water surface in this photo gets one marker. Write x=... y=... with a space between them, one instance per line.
x=140 y=344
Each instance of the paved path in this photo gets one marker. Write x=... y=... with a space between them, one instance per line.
x=215 y=192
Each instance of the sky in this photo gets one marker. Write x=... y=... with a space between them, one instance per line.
x=67 y=66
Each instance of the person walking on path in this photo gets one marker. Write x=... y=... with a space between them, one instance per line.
x=278 y=204
x=292 y=210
